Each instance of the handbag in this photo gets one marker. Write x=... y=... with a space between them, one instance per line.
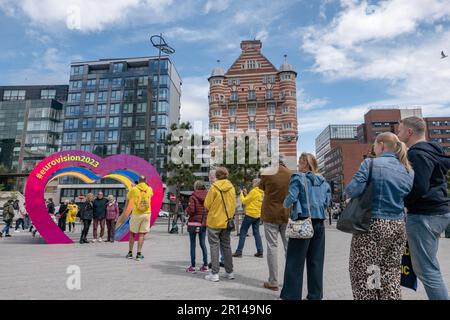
x=196 y=227
x=357 y=215
x=230 y=221
x=301 y=228
x=408 y=278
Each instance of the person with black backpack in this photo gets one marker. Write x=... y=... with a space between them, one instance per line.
x=197 y=224
x=8 y=216
x=86 y=216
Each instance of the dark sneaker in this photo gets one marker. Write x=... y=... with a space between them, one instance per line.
x=259 y=255
x=1 y=235
x=222 y=265
x=237 y=255
x=139 y=257
x=129 y=255
x=8 y=235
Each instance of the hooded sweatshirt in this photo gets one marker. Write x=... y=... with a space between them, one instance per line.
x=253 y=202
x=429 y=193
x=218 y=214
x=309 y=194
x=196 y=209
x=134 y=195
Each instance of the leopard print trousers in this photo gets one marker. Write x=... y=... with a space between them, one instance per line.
x=375 y=261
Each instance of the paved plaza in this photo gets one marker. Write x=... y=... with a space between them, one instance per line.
x=33 y=270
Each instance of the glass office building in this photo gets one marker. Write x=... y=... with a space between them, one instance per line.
x=30 y=124
x=111 y=109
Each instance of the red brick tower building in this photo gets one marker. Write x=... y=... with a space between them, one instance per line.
x=254 y=95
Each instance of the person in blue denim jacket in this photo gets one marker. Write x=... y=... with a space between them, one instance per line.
x=309 y=195
x=378 y=252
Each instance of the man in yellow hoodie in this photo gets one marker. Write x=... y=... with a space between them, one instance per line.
x=252 y=202
x=140 y=199
x=221 y=204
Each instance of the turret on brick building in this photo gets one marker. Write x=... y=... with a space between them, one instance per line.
x=253 y=95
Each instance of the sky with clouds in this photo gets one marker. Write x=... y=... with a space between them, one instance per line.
x=350 y=54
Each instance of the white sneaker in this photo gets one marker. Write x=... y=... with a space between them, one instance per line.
x=16 y=231
x=100 y=240
x=229 y=276
x=94 y=240
x=212 y=277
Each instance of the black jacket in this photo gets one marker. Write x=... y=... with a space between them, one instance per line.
x=87 y=211
x=63 y=210
x=100 y=208
x=429 y=193
x=51 y=208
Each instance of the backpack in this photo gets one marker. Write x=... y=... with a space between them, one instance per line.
x=144 y=202
x=7 y=214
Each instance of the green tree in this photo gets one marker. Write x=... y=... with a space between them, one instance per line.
x=180 y=175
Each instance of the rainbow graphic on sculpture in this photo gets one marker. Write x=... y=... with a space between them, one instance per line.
x=89 y=168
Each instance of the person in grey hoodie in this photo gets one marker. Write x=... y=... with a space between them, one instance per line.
x=310 y=195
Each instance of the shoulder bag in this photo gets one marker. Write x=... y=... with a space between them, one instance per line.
x=302 y=228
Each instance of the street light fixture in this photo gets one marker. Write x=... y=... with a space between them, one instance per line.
x=159 y=43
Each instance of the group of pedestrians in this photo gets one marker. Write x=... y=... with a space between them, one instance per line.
x=409 y=203
x=103 y=212
x=14 y=210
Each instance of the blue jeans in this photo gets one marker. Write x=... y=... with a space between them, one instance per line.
x=313 y=251
x=246 y=223
x=6 y=227
x=201 y=240
x=423 y=232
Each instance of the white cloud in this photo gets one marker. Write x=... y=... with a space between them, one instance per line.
x=391 y=41
x=49 y=67
x=94 y=15
x=216 y=5
x=194 y=100
x=191 y=35
x=305 y=102
x=262 y=35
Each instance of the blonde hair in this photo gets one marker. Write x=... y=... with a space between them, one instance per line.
x=392 y=143
x=221 y=173
x=311 y=161
x=199 y=185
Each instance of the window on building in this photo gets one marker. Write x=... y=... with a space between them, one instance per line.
x=102 y=96
x=269 y=79
x=234 y=96
x=271 y=109
x=111 y=149
x=103 y=83
x=114 y=108
x=86 y=148
x=251 y=64
x=74 y=98
x=118 y=67
x=76 y=70
x=125 y=148
x=287 y=125
x=234 y=81
x=252 y=111
x=86 y=136
x=286 y=76
x=91 y=84
x=14 y=95
x=116 y=95
x=232 y=126
x=216 y=113
x=140 y=135
x=140 y=121
x=113 y=135
x=269 y=94
x=215 y=126
x=88 y=110
x=116 y=82
x=75 y=85
x=101 y=109
x=252 y=125
x=99 y=136
x=251 y=95
x=232 y=112
x=128 y=108
x=71 y=124
x=285 y=109
x=100 y=122
x=73 y=111
x=143 y=81
x=48 y=94
x=127 y=122
x=90 y=97
x=128 y=95
x=141 y=107
x=86 y=124
x=139 y=148
x=113 y=122
x=70 y=137
x=272 y=125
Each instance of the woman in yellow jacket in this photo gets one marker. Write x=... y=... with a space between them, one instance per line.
x=72 y=215
x=220 y=203
x=252 y=202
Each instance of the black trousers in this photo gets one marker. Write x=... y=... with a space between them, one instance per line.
x=62 y=222
x=85 y=231
x=313 y=251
